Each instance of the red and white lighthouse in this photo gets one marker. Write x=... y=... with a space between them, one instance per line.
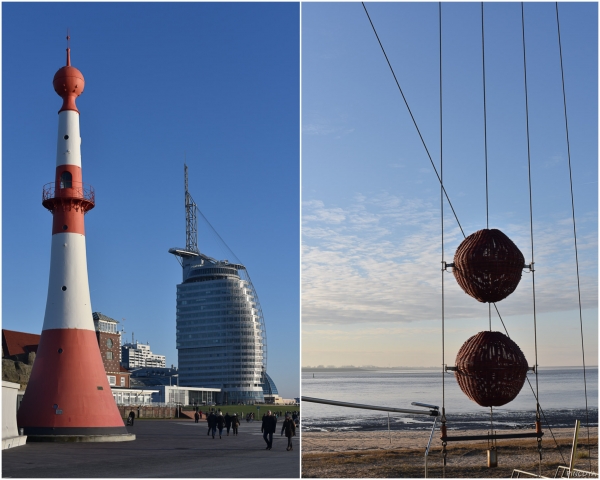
x=68 y=395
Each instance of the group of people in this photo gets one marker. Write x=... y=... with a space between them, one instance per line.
x=219 y=421
x=269 y=427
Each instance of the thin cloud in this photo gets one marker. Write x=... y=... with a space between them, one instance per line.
x=378 y=260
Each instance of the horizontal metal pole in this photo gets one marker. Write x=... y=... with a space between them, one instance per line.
x=455 y=369
x=431 y=413
x=490 y=437
x=426 y=405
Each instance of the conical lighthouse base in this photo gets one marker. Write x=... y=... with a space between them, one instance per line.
x=68 y=397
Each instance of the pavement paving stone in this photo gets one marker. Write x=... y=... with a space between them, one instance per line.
x=163 y=448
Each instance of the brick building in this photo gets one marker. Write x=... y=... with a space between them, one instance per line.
x=109 y=341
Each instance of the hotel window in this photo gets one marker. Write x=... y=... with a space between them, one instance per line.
x=122 y=381
x=112 y=380
x=109 y=355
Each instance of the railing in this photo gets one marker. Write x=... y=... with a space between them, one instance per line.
x=79 y=190
x=565 y=472
x=432 y=411
x=429 y=444
x=517 y=474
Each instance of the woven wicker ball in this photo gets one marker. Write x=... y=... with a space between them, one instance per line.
x=488 y=265
x=490 y=369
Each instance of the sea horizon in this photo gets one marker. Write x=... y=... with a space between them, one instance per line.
x=561 y=394
x=375 y=367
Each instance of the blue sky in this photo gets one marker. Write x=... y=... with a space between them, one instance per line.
x=371 y=281
x=216 y=83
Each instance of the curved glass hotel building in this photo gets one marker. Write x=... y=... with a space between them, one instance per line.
x=221 y=336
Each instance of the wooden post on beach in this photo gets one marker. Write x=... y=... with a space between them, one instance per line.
x=389 y=431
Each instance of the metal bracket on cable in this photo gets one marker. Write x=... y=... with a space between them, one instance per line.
x=445 y=266
x=530 y=267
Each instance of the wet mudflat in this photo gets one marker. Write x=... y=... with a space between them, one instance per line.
x=163 y=448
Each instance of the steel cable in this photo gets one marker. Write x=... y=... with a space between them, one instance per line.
x=445 y=193
x=413 y=119
x=574 y=230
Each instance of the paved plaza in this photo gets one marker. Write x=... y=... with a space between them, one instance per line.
x=163 y=448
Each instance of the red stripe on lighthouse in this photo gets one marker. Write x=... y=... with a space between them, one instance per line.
x=68 y=198
x=68 y=388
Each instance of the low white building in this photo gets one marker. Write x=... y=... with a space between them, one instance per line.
x=185 y=395
x=277 y=400
x=133 y=396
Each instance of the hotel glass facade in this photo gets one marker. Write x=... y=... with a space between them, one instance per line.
x=221 y=337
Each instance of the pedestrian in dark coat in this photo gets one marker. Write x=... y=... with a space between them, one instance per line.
x=220 y=423
x=212 y=423
x=196 y=417
x=269 y=426
x=289 y=427
x=227 y=422
x=235 y=422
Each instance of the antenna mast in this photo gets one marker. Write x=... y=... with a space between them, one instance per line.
x=191 y=221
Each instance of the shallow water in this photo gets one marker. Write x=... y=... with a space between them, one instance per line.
x=561 y=395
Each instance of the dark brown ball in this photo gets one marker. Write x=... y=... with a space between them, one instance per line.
x=488 y=265
x=490 y=369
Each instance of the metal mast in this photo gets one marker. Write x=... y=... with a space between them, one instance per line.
x=191 y=221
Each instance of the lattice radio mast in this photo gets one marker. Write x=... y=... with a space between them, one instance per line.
x=191 y=221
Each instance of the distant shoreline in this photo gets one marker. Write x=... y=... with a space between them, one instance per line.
x=371 y=368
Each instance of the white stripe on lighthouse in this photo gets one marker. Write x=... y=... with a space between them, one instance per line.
x=68 y=304
x=68 y=150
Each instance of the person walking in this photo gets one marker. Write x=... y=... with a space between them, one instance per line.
x=196 y=417
x=289 y=427
x=227 y=422
x=268 y=428
x=235 y=422
x=220 y=423
x=212 y=423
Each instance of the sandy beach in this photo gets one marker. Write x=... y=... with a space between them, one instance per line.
x=373 y=455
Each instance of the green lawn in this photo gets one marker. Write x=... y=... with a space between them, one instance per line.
x=245 y=409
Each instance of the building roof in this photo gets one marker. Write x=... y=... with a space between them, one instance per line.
x=99 y=316
x=17 y=343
